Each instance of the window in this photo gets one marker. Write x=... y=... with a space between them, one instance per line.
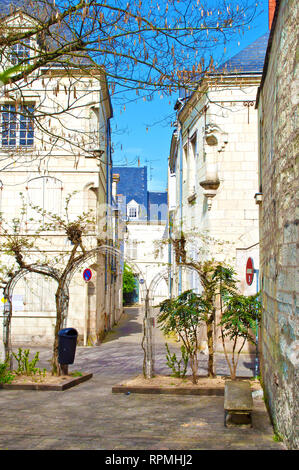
x=17 y=129
x=35 y=294
x=191 y=164
x=96 y=142
x=92 y=207
x=46 y=193
x=193 y=142
x=131 y=249
x=133 y=212
x=20 y=52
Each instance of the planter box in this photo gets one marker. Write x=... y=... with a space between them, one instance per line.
x=68 y=382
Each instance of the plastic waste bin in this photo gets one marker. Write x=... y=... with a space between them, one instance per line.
x=67 y=342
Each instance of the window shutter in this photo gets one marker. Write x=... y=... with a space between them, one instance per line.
x=46 y=193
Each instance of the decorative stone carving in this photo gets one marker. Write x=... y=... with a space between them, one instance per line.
x=215 y=136
x=210 y=135
x=216 y=140
x=211 y=183
x=209 y=192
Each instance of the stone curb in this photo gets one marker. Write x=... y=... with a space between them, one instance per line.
x=168 y=390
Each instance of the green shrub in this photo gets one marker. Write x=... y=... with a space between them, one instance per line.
x=76 y=373
x=26 y=367
x=129 y=281
x=6 y=376
x=175 y=364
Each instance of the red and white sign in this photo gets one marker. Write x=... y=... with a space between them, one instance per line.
x=249 y=271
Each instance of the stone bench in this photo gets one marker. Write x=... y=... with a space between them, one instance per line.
x=238 y=403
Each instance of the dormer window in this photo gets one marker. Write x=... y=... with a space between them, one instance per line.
x=20 y=52
x=133 y=210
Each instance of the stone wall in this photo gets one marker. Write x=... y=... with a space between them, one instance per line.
x=278 y=106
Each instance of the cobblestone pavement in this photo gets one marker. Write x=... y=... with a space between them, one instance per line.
x=90 y=417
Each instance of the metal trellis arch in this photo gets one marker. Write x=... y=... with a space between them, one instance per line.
x=8 y=296
x=168 y=276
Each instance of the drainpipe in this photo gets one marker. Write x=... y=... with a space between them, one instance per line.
x=256 y=271
x=108 y=203
x=170 y=219
x=181 y=197
x=86 y=308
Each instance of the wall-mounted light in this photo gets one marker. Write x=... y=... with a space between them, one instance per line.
x=258 y=198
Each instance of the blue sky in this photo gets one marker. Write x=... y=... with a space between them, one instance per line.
x=143 y=131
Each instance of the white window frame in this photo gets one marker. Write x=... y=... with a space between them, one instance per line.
x=20 y=52
x=133 y=206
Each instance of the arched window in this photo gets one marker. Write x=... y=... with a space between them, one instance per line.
x=92 y=200
x=37 y=294
x=96 y=132
x=92 y=206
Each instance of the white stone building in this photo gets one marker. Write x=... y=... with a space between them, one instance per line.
x=55 y=140
x=145 y=247
x=144 y=218
x=213 y=169
x=213 y=173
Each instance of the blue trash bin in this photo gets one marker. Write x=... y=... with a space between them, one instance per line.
x=67 y=342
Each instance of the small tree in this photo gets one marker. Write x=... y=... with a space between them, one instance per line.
x=216 y=278
x=182 y=316
x=240 y=317
x=75 y=230
x=21 y=248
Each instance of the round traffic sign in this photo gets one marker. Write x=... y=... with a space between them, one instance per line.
x=87 y=274
x=249 y=271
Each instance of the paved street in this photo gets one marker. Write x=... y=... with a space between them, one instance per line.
x=90 y=417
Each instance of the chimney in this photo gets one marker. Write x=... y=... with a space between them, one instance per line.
x=115 y=181
x=272 y=5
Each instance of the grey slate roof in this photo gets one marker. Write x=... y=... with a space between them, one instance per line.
x=157 y=205
x=133 y=184
x=249 y=60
